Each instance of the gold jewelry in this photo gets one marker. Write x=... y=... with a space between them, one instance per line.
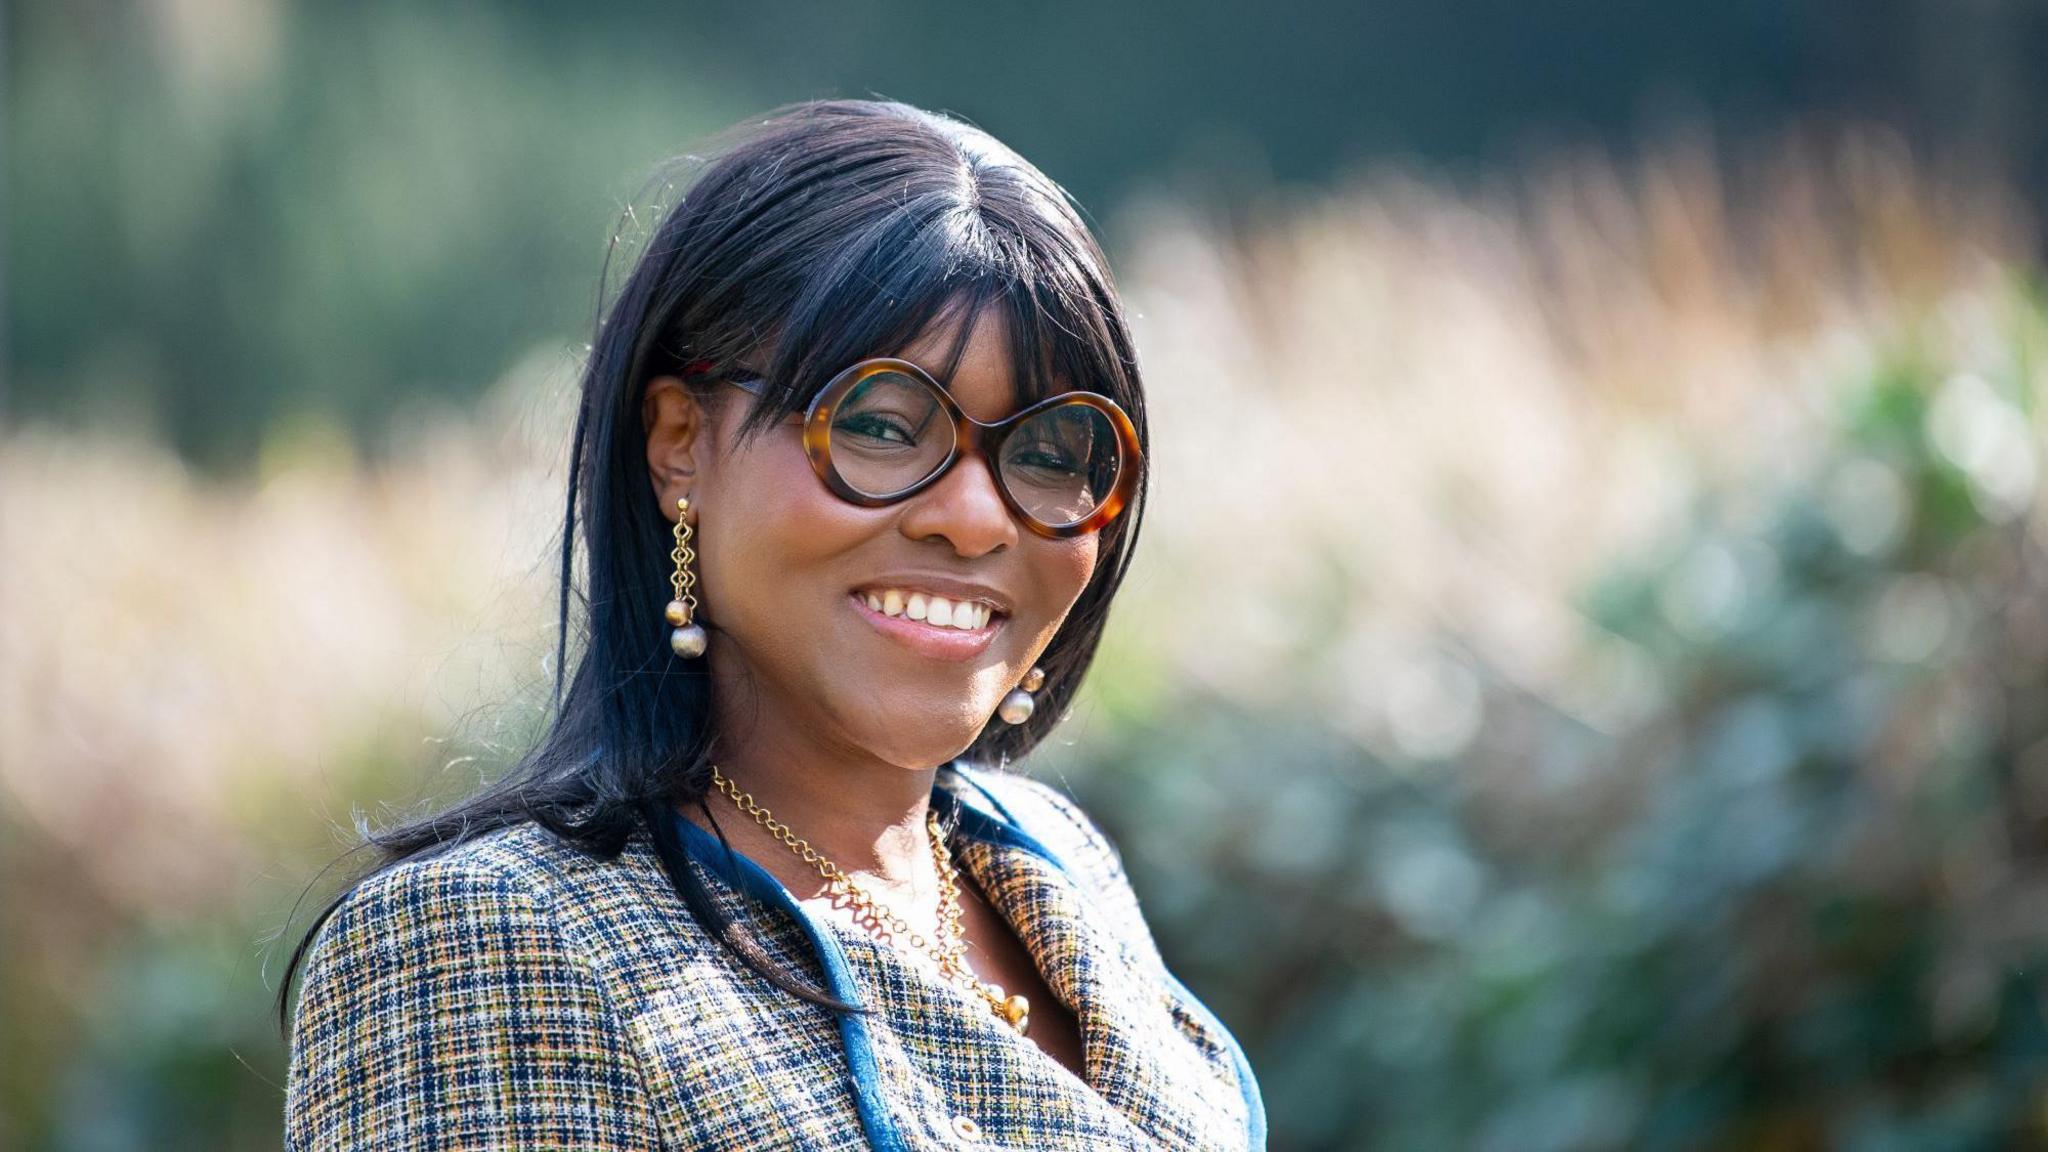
x=1016 y=707
x=688 y=640
x=951 y=951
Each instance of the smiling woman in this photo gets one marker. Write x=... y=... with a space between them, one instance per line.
x=858 y=469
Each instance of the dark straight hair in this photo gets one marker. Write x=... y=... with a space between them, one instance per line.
x=831 y=230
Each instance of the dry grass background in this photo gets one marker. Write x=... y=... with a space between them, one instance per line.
x=1402 y=409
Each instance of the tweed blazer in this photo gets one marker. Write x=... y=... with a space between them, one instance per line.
x=516 y=993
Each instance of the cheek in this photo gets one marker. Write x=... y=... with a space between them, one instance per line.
x=1061 y=570
x=770 y=548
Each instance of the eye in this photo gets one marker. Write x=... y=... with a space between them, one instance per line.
x=1046 y=458
x=877 y=426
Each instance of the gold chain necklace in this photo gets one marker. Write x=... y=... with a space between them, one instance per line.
x=951 y=951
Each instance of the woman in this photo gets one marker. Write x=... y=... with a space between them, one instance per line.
x=860 y=458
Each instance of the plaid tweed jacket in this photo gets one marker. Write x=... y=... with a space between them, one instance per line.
x=515 y=993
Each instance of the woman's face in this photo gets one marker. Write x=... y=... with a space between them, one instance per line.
x=780 y=560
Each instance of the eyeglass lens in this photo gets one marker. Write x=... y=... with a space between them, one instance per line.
x=890 y=431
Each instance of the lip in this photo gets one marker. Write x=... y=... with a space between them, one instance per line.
x=939 y=643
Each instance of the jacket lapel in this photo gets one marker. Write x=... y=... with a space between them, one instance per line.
x=1136 y=1054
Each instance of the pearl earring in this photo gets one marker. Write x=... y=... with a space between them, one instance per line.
x=1016 y=707
x=688 y=640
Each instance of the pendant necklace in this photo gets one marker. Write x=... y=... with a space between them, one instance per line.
x=950 y=952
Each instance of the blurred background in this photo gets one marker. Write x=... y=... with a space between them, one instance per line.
x=1582 y=681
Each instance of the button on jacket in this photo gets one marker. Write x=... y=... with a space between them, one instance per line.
x=515 y=993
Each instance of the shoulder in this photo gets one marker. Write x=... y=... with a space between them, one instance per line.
x=496 y=877
x=459 y=925
x=436 y=988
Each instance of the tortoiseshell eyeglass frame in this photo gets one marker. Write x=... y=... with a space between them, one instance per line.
x=979 y=439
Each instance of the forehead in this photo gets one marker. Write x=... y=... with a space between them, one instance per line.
x=983 y=380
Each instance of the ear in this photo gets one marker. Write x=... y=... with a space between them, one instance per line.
x=675 y=438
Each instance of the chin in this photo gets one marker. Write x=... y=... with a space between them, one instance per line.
x=925 y=745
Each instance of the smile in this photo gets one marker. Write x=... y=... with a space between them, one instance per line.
x=938 y=641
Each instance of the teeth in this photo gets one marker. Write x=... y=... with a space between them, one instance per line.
x=935 y=610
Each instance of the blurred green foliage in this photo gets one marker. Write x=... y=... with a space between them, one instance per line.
x=365 y=204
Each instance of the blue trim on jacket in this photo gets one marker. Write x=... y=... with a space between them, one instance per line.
x=758 y=882
x=995 y=824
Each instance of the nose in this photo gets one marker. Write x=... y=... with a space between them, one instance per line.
x=964 y=507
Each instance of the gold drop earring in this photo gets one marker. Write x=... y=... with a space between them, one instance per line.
x=1016 y=707
x=688 y=640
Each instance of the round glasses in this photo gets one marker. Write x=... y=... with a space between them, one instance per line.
x=883 y=430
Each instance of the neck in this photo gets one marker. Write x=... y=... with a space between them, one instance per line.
x=865 y=815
